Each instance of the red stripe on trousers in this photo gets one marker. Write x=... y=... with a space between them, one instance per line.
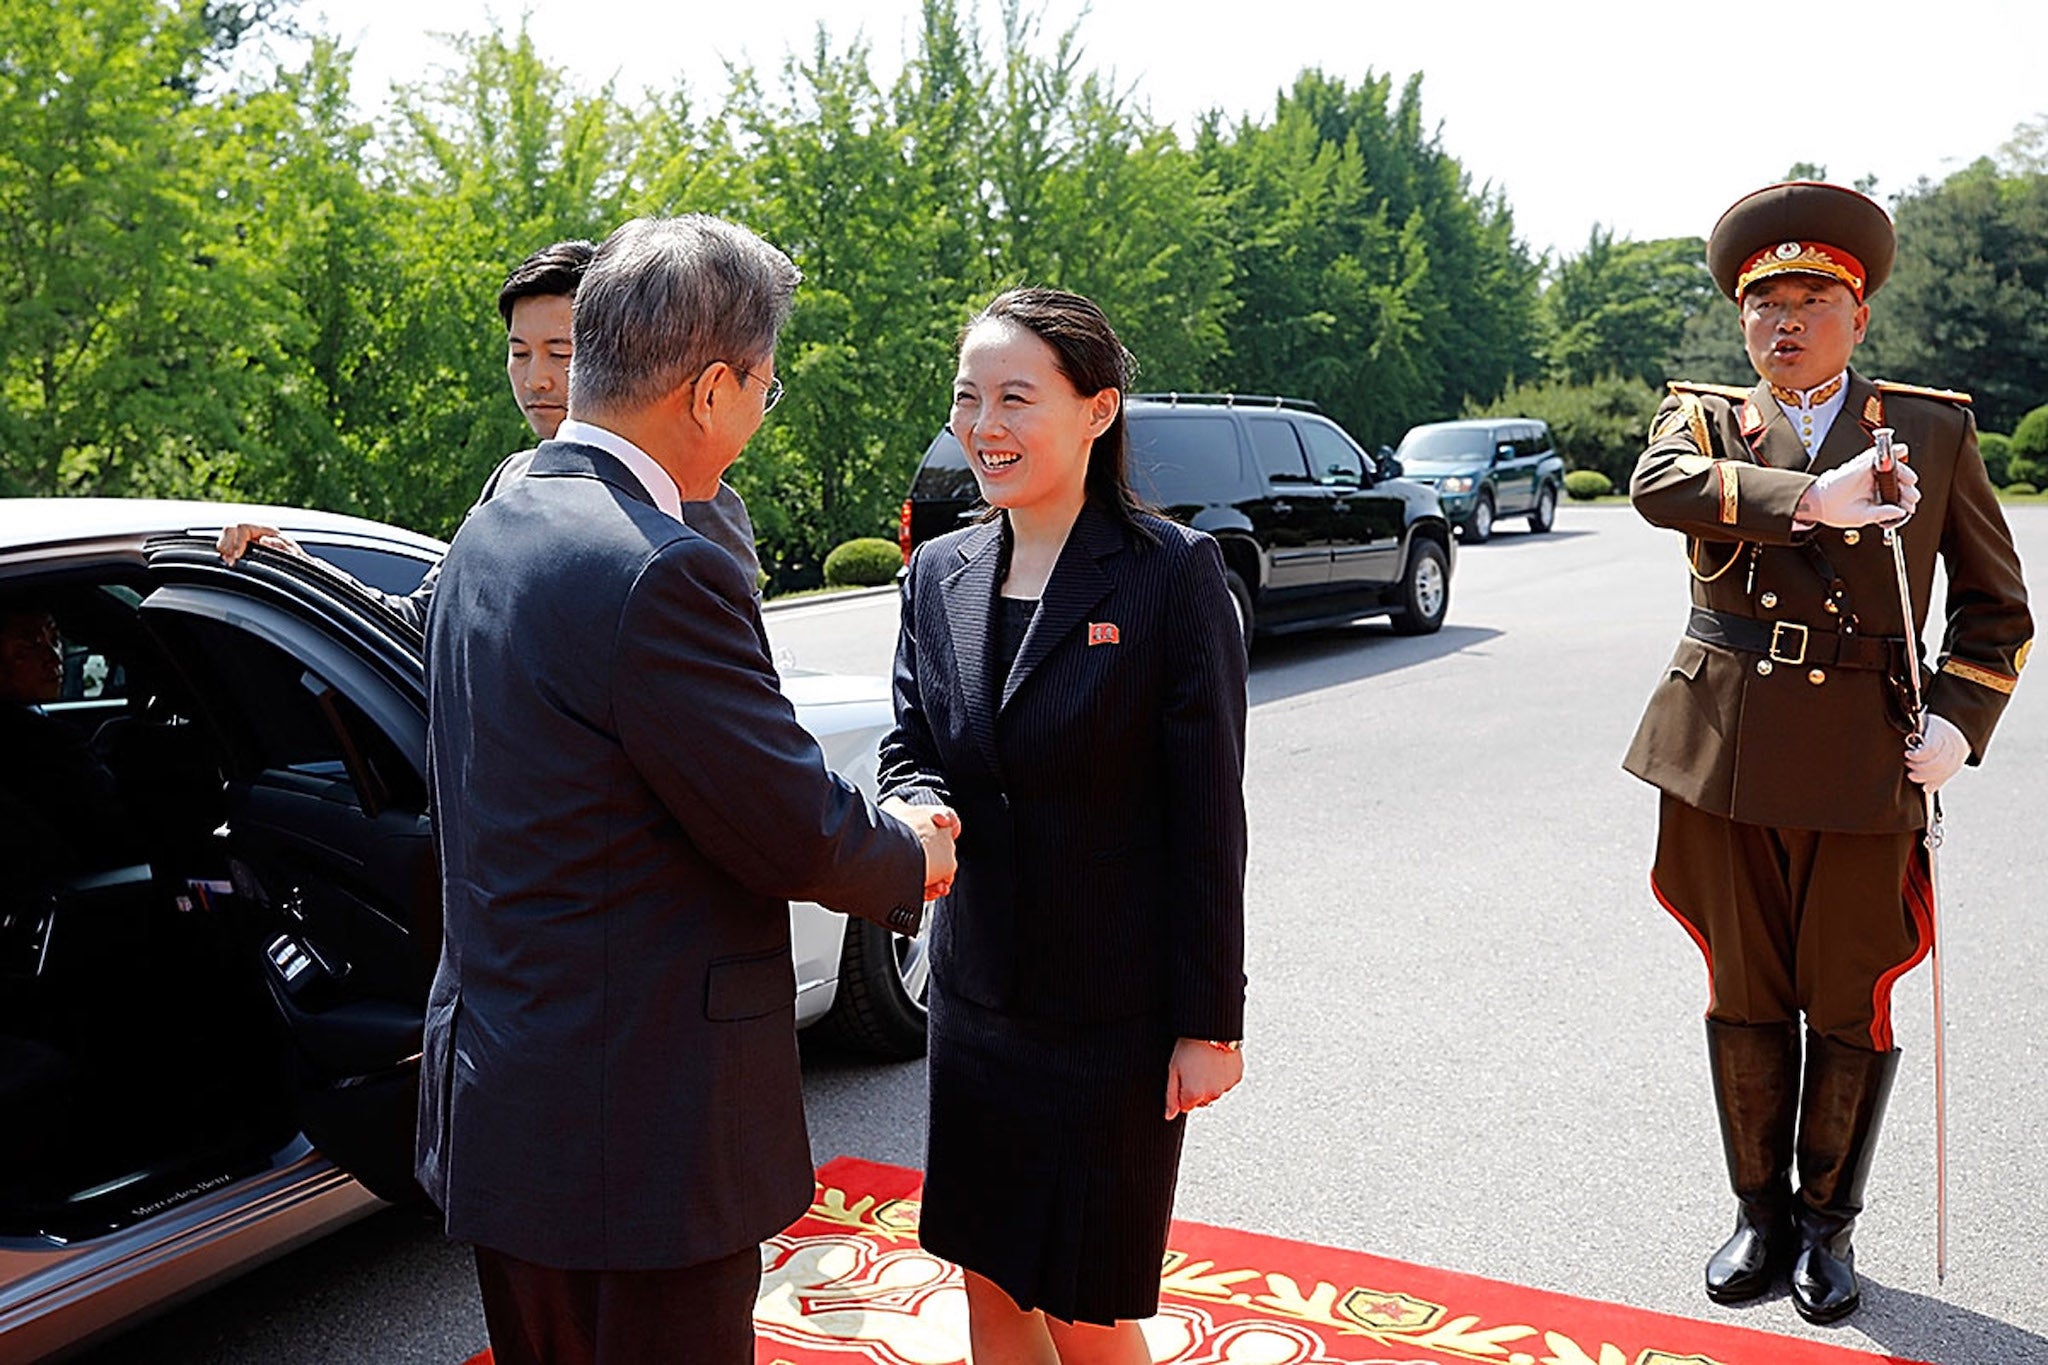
x=1697 y=937
x=1918 y=889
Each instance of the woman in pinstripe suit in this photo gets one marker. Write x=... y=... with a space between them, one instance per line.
x=1071 y=679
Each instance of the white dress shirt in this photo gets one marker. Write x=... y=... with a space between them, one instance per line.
x=652 y=476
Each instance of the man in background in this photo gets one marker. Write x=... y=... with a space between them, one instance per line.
x=537 y=303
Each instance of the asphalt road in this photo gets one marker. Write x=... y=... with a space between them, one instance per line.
x=1474 y=1038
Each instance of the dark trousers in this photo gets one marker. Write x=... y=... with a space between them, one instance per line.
x=1797 y=921
x=538 y=1315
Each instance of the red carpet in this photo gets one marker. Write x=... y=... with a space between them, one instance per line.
x=847 y=1285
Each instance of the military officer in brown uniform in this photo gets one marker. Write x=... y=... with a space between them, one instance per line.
x=1789 y=840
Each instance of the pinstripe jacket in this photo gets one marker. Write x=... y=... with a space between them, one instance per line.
x=1100 y=785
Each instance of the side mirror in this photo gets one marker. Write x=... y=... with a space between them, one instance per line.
x=1389 y=463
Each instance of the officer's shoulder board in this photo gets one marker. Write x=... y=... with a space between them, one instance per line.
x=1732 y=392
x=1886 y=386
x=1690 y=414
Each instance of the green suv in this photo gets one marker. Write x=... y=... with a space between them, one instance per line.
x=1486 y=468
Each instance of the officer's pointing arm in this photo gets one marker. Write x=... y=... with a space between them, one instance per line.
x=1684 y=480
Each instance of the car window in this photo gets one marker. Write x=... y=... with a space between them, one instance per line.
x=1184 y=459
x=385 y=570
x=1279 y=451
x=1445 y=443
x=285 y=719
x=944 y=473
x=1332 y=456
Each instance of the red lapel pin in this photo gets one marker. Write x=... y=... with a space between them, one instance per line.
x=1103 y=633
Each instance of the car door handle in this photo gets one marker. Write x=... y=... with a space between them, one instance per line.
x=1281 y=509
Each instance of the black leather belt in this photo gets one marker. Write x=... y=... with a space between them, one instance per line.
x=1791 y=642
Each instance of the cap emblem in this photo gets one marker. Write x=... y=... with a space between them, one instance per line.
x=1788 y=251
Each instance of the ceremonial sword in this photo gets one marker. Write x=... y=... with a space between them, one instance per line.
x=1886 y=471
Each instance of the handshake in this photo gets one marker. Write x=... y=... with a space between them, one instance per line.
x=936 y=828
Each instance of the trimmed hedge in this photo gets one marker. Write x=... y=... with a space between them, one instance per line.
x=1996 y=448
x=1584 y=485
x=2021 y=489
x=2030 y=437
x=869 y=562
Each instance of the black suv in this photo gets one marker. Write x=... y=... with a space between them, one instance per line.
x=1313 y=532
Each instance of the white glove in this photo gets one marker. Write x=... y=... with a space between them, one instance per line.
x=1939 y=755
x=1847 y=494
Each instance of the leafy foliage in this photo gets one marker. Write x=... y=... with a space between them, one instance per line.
x=217 y=278
x=1967 y=306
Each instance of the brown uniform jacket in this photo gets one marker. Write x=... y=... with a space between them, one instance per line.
x=1792 y=741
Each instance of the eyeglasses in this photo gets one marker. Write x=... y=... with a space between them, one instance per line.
x=774 y=394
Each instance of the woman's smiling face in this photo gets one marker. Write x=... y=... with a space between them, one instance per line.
x=1026 y=432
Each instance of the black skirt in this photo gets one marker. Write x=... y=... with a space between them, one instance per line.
x=1049 y=1165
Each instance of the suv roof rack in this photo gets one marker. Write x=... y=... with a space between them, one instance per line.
x=1233 y=400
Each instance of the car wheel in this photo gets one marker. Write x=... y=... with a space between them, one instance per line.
x=1425 y=591
x=1479 y=530
x=883 y=981
x=1545 y=514
x=1240 y=598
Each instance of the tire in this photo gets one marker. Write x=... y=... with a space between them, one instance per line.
x=1425 y=591
x=1545 y=515
x=883 y=978
x=1479 y=530
x=1241 y=598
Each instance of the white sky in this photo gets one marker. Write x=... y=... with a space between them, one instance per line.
x=1636 y=115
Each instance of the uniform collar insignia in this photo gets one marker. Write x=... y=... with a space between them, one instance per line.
x=1812 y=398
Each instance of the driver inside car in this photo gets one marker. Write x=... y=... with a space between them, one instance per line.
x=64 y=808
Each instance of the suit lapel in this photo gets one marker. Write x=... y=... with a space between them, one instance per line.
x=1850 y=434
x=969 y=593
x=1776 y=444
x=1077 y=584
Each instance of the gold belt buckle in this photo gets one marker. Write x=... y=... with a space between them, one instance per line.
x=1782 y=628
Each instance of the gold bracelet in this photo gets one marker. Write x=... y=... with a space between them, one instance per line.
x=1236 y=1045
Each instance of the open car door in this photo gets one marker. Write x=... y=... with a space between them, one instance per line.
x=316 y=698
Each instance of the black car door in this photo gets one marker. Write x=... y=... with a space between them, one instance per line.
x=1365 y=522
x=319 y=705
x=1292 y=519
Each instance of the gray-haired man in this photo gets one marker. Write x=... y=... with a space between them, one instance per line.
x=611 y=1108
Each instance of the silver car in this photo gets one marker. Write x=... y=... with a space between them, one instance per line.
x=219 y=909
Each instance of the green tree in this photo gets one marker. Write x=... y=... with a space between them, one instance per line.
x=1371 y=277
x=1621 y=308
x=138 y=336
x=1967 y=305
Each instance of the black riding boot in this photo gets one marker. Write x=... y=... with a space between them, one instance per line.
x=1756 y=1089
x=1846 y=1090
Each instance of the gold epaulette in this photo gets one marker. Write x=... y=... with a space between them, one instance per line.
x=1730 y=392
x=1916 y=391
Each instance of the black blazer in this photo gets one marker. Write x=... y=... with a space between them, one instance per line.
x=1100 y=788
x=624 y=806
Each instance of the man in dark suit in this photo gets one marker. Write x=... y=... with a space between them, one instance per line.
x=611 y=1108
